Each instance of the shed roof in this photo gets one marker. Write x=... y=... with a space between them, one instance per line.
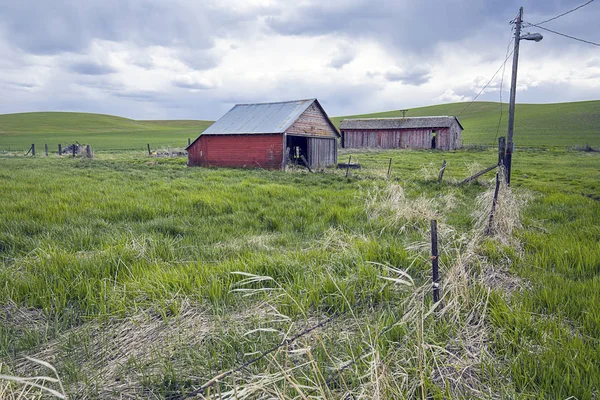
x=400 y=123
x=259 y=118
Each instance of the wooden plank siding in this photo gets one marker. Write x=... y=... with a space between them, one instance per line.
x=322 y=152
x=242 y=151
x=402 y=138
x=312 y=122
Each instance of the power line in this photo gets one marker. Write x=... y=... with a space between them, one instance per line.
x=487 y=84
x=501 y=83
x=565 y=35
x=565 y=13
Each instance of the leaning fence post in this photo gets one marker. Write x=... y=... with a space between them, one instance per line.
x=441 y=175
x=149 y=152
x=501 y=149
x=389 y=169
x=434 y=261
x=348 y=166
x=33 y=149
x=488 y=230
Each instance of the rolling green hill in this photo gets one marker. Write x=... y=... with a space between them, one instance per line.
x=103 y=132
x=536 y=125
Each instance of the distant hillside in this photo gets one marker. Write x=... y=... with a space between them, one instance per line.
x=536 y=125
x=546 y=125
x=104 y=132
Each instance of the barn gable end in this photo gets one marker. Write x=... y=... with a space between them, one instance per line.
x=313 y=122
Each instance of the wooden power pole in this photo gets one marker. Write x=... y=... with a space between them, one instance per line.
x=513 y=94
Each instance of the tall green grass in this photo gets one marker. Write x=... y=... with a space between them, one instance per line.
x=95 y=251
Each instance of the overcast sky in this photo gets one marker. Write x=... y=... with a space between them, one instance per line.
x=151 y=59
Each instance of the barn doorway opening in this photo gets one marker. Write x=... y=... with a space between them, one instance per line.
x=297 y=150
x=433 y=139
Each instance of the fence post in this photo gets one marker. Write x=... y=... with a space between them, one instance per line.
x=441 y=175
x=501 y=149
x=88 y=150
x=189 y=141
x=488 y=230
x=73 y=149
x=348 y=166
x=434 y=261
x=60 y=149
x=46 y=148
x=33 y=149
x=389 y=169
x=149 y=152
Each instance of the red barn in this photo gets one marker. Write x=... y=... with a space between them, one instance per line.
x=268 y=135
x=444 y=133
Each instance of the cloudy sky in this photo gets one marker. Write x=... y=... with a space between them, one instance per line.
x=172 y=59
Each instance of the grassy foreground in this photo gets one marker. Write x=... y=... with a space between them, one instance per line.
x=139 y=277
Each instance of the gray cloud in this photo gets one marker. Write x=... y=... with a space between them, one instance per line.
x=69 y=26
x=343 y=56
x=38 y=43
x=91 y=68
x=416 y=76
x=191 y=84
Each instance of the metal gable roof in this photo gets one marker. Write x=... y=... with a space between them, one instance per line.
x=259 y=118
x=399 y=123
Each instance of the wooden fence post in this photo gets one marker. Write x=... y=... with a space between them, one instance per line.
x=149 y=152
x=88 y=150
x=348 y=166
x=501 y=150
x=488 y=230
x=434 y=261
x=46 y=148
x=60 y=149
x=441 y=175
x=33 y=149
x=389 y=169
x=73 y=149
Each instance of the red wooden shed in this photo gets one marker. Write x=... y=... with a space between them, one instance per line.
x=268 y=135
x=444 y=133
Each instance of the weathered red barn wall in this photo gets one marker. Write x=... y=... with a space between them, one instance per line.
x=312 y=122
x=258 y=151
x=402 y=138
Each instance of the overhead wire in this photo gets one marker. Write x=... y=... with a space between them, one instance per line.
x=502 y=82
x=487 y=84
x=565 y=13
x=565 y=35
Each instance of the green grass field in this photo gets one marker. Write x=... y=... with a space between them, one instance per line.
x=137 y=277
x=103 y=132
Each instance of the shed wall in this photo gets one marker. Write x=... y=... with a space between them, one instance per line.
x=446 y=138
x=312 y=122
x=254 y=151
x=322 y=152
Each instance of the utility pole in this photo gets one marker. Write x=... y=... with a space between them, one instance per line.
x=513 y=94
x=513 y=91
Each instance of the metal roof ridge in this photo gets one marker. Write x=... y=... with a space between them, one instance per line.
x=276 y=102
